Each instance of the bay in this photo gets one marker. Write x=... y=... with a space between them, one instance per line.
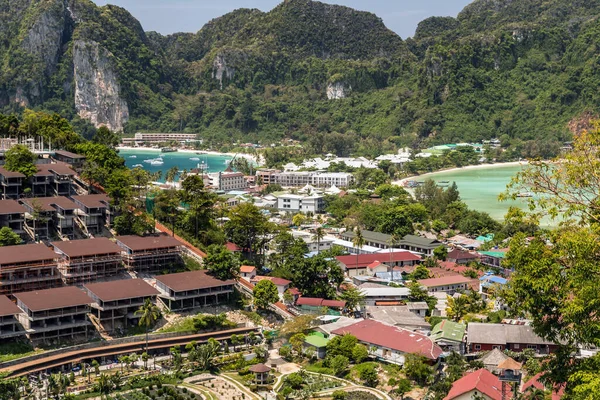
x=181 y=160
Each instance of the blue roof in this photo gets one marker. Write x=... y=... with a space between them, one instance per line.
x=490 y=279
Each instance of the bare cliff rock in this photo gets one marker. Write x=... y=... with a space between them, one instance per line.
x=97 y=89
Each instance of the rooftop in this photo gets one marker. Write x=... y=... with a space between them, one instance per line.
x=276 y=281
x=247 y=269
x=49 y=203
x=137 y=243
x=316 y=340
x=259 y=368
x=448 y=330
x=10 y=174
x=191 y=280
x=446 y=280
x=65 y=153
x=502 y=334
x=86 y=247
x=353 y=262
x=25 y=253
x=59 y=168
x=496 y=253
x=7 y=307
x=457 y=254
x=397 y=315
x=419 y=241
x=93 y=200
x=120 y=290
x=10 y=207
x=369 y=236
x=481 y=380
x=51 y=299
x=385 y=291
x=392 y=337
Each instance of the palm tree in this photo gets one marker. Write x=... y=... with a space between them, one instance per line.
x=145 y=358
x=319 y=234
x=457 y=307
x=172 y=174
x=149 y=313
x=105 y=385
x=533 y=393
x=358 y=241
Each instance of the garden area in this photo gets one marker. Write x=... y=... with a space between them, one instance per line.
x=164 y=393
x=302 y=384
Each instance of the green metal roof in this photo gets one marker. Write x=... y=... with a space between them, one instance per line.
x=420 y=241
x=497 y=254
x=316 y=340
x=369 y=236
x=448 y=330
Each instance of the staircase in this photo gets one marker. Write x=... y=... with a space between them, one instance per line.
x=96 y=322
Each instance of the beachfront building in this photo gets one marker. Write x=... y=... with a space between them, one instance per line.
x=115 y=303
x=11 y=184
x=94 y=212
x=9 y=324
x=12 y=215
x=295 y=203
x=150 y=253
x=86 y=260
x=27 y=267
x=192 y=289
x=141 y=137
x=54 y=314
x=266 y=176
x=47 y=214
x=317 y=179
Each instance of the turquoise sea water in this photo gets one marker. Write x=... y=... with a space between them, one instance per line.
x=182 y=161
x=479 y=187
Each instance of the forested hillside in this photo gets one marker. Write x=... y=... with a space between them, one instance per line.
x=519 y=70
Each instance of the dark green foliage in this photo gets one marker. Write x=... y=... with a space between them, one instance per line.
x=221 y=263
x=20 y=159
x=207 y=322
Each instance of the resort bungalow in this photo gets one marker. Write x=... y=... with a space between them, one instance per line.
x=9 y=325
x=45 y=212
x=419 y=244
x=76 y=160
x=485 y=337
x=12 y=215
x=94 y=212
x=247 y=272
x=115 y=303
x=192 y=289
x=27 y=267
x=390 y=343
x=52 y=180
x=86 y=260
x=54 y=314
x=150 y=253
x=11 y=184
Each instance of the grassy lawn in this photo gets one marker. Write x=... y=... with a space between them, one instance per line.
x=13 y=350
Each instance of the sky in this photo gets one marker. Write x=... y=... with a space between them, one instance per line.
x=169 y=16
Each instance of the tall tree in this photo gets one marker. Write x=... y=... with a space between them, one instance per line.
x=106 y=137
x=248 y=227
x=221 y=263
x=318 y=236
x=265 y=293
x=148 y=314
x=8 y=237
x=20 y=159
x=358 y=241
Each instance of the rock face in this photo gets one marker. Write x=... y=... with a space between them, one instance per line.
x=97 y=90
x=221 y=69
x=337 y=90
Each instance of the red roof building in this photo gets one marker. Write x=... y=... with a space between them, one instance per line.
x=462 y=257
x=282 y=284
x=557 y=392
x=233 y=247
x=391 y=343
x=481 y=383
x=354 y=265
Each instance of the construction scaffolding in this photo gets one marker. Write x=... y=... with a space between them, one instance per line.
x=28 y=277
x=77 y=271
x=153 y=260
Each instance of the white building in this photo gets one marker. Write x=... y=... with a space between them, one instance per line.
x=317 y=179
x=298 y=203
x=313 y=245
x=227 y=181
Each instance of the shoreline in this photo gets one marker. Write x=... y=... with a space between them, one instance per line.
x=250 y=157
x=403 y=181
